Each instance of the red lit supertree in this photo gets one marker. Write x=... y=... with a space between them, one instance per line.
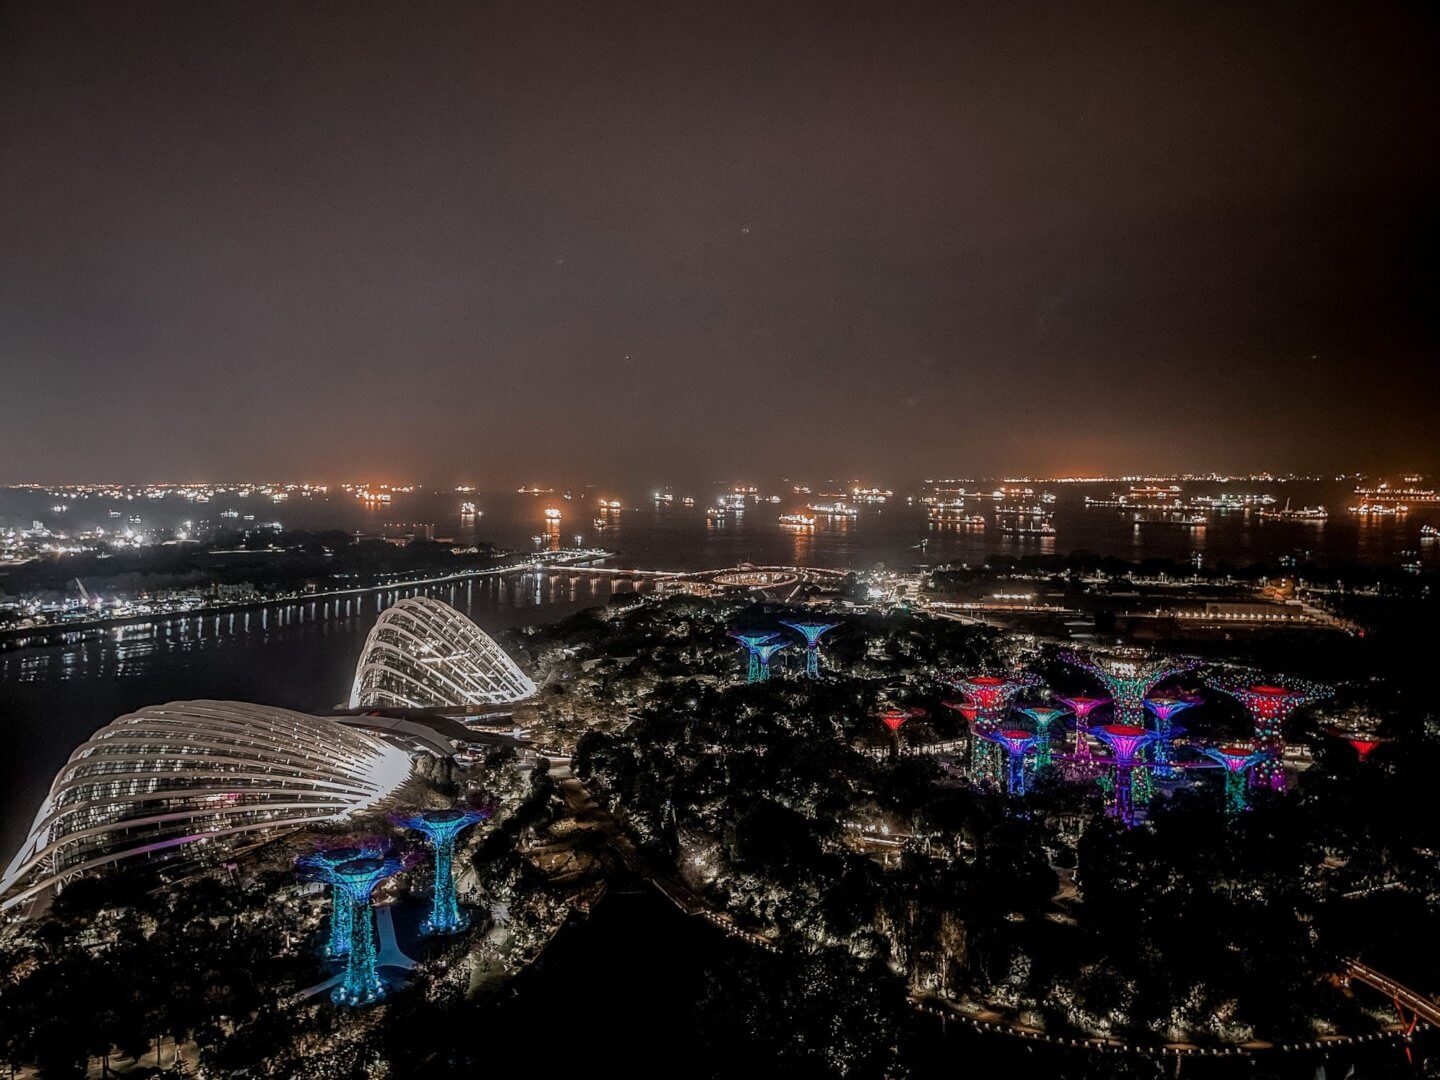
x=1269 y=704
x=990 y=695
x=894 y=718
x=1126 y=741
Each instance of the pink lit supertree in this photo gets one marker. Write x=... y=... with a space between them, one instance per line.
x=1082 y=707
x=1126 y=741
x=1269 y=704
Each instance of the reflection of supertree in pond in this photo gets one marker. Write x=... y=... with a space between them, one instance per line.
x=1270 y=705
x=357 y=880
x=1017 y=743
x=753 y=643
x=811 y=632
x=1046 y=718
x=320 y=866
x=1082 y=707
x=1125 y=742
x=442 y=828
x=1128 y=675
x=1236 y=761
x=1165 y=710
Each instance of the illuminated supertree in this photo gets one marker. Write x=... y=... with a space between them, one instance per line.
x=894 y=718
x=1017 y=743
x=1045 y=717
x=1126 y=741
x=990 y=696
x=811 y=632
x=753 y=641
x=1128 y=675
x=1236 y=761
x=357 y=881
x=320 y=866
x=441 y=828
x=1269 y=705
x=1165 y=709
x=1082 y=707
x=765 y=652
x=1364 y=742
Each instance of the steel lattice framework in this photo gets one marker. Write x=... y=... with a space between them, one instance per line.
x=1126 y=742
x=423 y=654
x=1128 y=675
x=1269 y=705
x=442 y=828
x=811 y=632
x=154 y=784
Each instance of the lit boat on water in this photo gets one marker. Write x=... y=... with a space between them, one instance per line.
x=551 y=514
x=1179 y=521
x=1024 y=528
x=468 y=508
x=1429 y=532
x=1287 y=513
x=1380 y=509
x=835 y=509
x=797 y=520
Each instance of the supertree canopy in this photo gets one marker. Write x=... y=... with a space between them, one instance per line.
x=1082 y=707
x=990 y=695
x=1046 y=717
x=1128 y=675
x=764 y=653
x=1165 y=709
x=1017 y=743
x=752 y=641
x=357 y=880
x=1236 y=761
x=320 y=866
x=442 y=828
x=1126 y=741
x=811 y=632
x=1269 y=704
x=1359 y=728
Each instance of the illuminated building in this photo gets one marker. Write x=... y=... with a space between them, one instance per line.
x=192 y=778
x=1236 y=761
x=423 y=654
x=811 y=632
x=1270 y=705
x=1126 y=741
x=357 y=881
x=442 y=828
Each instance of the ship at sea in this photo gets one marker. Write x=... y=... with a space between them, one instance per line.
x=1287 y=513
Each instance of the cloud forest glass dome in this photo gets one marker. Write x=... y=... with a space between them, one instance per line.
x=152 y=785
x=423 y=654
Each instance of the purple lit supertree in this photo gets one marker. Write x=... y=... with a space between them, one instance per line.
x=811 y=632
x=753 y=641
x=1269 y=704
x=1017 y=743
x=442 y=828
x=1045 y=717
x=320 y=866
x=1125 y=742
x=1236 y=761
x=1165 y=709
x=357 y=881
x=1082 y=707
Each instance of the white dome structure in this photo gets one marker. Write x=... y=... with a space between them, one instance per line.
x=170 y=780
x=423 y=654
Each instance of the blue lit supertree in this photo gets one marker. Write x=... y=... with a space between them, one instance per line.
x=1236 y=761
x=1164 y=710
x=1045 y=717
x=357 y=881
x=1017 y=743
x=811 y=632
x=753 y=641
x=320 y=866
x=764 y=653
x=442 y=828
x=1269 y=705
x=1125 y=742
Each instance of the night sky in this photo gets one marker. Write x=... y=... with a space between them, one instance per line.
x=671 y=240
